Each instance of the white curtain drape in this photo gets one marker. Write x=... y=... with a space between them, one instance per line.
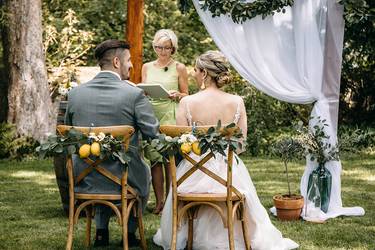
x=289 y=56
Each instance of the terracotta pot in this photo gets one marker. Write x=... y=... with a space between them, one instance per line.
x=288 y=207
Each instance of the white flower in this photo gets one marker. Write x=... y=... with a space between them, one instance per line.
x=63 y=91
x=192 y=138
x=93 y=136
x=73 y=84
x=101 y=136
x=183 y=138
x=168 y=138
x=187 y=138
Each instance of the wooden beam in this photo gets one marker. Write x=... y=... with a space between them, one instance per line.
x=134 y=35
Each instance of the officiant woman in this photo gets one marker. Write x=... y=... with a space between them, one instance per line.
x=172 y=75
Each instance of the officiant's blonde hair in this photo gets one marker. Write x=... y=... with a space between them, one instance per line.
x=216 y=66
x=166 y=35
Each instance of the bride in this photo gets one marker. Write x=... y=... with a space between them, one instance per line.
x=206 y=108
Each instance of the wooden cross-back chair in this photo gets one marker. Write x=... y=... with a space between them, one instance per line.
x=189 y=203
x=129 y=198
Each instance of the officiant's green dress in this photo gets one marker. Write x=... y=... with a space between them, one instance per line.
x=164 y=109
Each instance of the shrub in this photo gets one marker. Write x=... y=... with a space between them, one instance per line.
x=13 y=146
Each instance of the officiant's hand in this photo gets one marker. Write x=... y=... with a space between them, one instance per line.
x=175 y=95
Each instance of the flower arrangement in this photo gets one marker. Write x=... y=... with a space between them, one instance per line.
x=95 y=145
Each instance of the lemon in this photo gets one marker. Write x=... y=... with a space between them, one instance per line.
x=196 y=148
x=185 y=148
x=84 y=151
x=95 y=149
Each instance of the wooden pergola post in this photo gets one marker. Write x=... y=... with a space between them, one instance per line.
x=134 y=35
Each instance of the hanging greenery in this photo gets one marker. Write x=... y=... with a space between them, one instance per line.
x=240 y=11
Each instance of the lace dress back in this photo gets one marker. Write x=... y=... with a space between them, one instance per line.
x=236 y=116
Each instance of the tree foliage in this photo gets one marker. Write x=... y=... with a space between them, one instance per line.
x=267 y=117
x=357 y=99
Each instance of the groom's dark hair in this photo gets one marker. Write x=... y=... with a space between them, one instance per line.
x=108 y=49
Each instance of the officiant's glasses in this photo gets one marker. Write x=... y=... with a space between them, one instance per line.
x=161 y=48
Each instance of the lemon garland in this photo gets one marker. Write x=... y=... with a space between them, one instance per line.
x=216 y=139
x=100 y=145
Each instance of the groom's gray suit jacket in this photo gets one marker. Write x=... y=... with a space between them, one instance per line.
x=107 y=101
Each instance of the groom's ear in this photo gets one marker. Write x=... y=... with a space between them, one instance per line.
x=116 y=63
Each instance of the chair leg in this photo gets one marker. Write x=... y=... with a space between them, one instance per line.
x=88 y=211
x=190 y=230
x=244 y=227
x=230 y=225
x=140 y=226
x=125 y=229
x=174 y=231
x=69 y=241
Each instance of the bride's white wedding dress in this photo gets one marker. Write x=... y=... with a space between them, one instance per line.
x=209 y=232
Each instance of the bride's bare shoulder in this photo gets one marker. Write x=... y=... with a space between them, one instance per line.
x=234 y=98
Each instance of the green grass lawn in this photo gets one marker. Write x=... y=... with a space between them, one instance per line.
x=31 y=216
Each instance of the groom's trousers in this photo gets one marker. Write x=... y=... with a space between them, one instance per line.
x=103 y=214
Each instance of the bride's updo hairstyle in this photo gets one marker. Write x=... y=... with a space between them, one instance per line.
x=216 y=65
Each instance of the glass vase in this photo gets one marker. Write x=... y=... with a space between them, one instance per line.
x=324 y=183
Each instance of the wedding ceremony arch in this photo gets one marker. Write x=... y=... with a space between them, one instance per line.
x=293 y=56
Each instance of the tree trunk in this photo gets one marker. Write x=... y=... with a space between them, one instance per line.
x=30 y=105
x=3 y=73
x=134 y=35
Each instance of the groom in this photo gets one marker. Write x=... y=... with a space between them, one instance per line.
x=105 y=101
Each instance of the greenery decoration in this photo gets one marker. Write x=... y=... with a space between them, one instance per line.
x=216 y=139
x=316 y=143
x=74 y=141
x=241 y=11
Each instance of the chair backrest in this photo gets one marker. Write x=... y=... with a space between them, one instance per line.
x=123 y=130
x=173 y=131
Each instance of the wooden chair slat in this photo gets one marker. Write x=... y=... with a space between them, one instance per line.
x=108 y=174
x=112 y=197
x=194 y=168
x=83 y=174
x=209 y=173
x=205 y=197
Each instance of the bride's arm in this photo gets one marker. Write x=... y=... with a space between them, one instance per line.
x=242 y=124
x=181 y=113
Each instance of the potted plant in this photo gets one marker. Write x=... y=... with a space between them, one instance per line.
x=288 y=206
x=319 y=149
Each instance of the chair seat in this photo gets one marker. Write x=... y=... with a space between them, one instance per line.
x=111 y=197
x=205 y=197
